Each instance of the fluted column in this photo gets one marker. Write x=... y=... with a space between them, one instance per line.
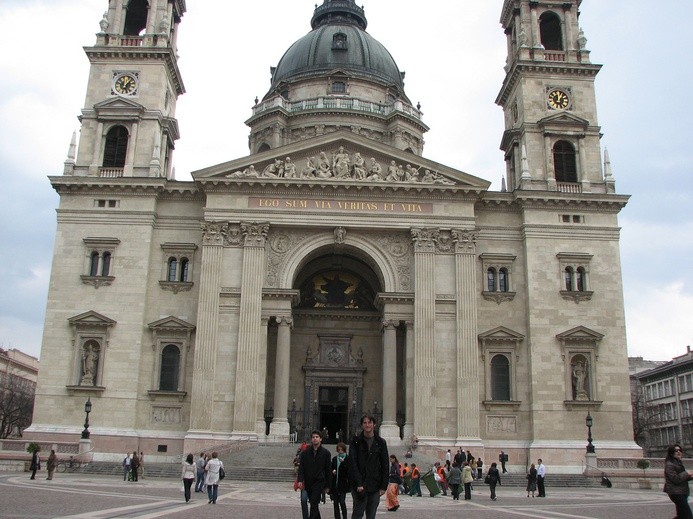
x=389 y=429
x=409 y=382
x=424 y=333
x=280 y=422
x=250 y=329
x=467 y=335
x=202 y=399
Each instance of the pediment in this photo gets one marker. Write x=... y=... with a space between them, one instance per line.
x=118 y=105
x=91 y=319
x=580 y=334
x=343 y=158
x=501 y=334
x=171 y=323
x=564 y=119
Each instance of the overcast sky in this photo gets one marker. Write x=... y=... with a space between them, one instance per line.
x=453 y=53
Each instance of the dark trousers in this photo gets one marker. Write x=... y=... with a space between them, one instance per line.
x=187 y=485
x=503 y=467
x=365 y=502
x=467 y=490
x=683 y=511
x=493 y=490
x=212 y=493
x=415 y=487
x=540 y=486
x=339 y=502
x=33 y=473
x=312 y=497
x=133 y=471
x=455 y=490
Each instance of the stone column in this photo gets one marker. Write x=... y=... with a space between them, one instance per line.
x=536 y=33
x=388 y=428
x=249 y=329
x=467 y=336
x=280 y=422
x=424 y=333
x=202 y=399
x=409 y=383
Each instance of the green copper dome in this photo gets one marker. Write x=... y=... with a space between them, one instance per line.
x=338 y=41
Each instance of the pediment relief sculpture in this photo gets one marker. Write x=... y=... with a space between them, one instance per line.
x=341 y=165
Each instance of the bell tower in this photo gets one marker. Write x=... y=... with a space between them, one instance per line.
x=552 y=137
x=128 y=120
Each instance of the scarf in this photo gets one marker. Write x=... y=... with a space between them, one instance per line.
x=340 y=458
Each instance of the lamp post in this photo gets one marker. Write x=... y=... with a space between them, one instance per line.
x=588 y=423
x=87 y=410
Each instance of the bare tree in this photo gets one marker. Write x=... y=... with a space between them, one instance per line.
x=16 y=404
x=645 y=419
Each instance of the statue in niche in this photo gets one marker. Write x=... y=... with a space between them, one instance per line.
x=339 y=235
x=90 y=359
x=579 y=378
x=341 y=164
x=310 y=357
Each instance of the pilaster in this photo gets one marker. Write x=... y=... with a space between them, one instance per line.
x=280 y=422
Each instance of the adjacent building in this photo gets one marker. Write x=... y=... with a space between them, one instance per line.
x=18 y=375
x=336 y=270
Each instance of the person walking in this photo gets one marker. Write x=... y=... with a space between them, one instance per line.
x=415 y=481
x=214 y=465
x=676 y=480
x=368 y=469
x=467 y=480
x=503 y=457
x=541 y=474
x=393 y=483
x=313 y=475
x=340 y=482
x=455 y=480
x=126 y=466
x=140 y=466
x=531 y=480
x=134 y=466
x=200 y=476
x=494 y=479
x=51 y=464
x=35 y=462
x=188 y=475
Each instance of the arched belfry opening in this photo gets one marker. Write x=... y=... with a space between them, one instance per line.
x=550 y=30
x=136 y=17
x=336 y=346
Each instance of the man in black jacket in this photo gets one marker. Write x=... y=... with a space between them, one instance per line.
x=368 y=469
x=314 y=475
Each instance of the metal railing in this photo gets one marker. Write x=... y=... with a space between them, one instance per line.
x=336 y=102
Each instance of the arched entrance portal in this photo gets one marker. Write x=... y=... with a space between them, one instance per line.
x=337 y=338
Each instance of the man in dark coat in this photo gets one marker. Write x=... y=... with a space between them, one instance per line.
x=368 y=469
x=314 y=472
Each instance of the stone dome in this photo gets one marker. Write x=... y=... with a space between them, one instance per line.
x=338 y=41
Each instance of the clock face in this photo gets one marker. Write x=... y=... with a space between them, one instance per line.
x=125 y=84
x=558 y=99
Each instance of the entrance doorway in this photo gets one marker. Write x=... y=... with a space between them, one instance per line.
x=333 y=405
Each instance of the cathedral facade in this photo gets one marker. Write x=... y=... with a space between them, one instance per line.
x=335 y=270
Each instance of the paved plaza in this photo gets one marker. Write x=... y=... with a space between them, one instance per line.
x=104 y=497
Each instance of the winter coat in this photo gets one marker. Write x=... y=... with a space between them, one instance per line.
x=455 y=476
x=314 y=468
x=467 y=474
x=675 y=477
x=340 y=481
x=368 y=469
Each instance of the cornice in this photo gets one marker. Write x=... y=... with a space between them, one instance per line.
x=138 y=186
x=585 y=202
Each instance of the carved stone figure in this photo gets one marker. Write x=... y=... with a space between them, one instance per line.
x=579 y=375
x=341 y=164
x=289 y=168
x=359 y=167
x=104 y=22
x=90 y=358
x=394 y=172
x=582 y=40
x=323 y=169
x=339 y=234
x=308 y=170
x=274 y=170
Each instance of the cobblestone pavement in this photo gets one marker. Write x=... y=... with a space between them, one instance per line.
x=71 y=496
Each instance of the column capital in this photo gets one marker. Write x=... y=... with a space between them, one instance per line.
x=285 y=320
x=424 y=239
x=389 y=323
x=465 y=241
x=255 y=233
x=214 y=233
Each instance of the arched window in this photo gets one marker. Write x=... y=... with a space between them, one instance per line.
x=183 y=270
x=263 y=147
x=94 y=264
x=116 y=148
x=568 y=274
x=500 y=378
x=170 y=363
x=503 y=280
x=172 y=267
x=491 y=280
x=564 y=164
x=580 y=279
x=136 y=17
x=550 y=30
x=105 y=269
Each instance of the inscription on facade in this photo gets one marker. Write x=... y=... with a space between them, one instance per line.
x=501 y=424
x=347 y=206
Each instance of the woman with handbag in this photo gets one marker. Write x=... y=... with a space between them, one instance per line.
x=531 y=480
x=493 y=478
x=188 y=475
x=393 y=483
x=214 y=470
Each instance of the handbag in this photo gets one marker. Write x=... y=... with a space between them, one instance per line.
x=487 y=479
x=222 y=473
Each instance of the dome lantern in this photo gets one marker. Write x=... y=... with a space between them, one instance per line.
x=339 y=11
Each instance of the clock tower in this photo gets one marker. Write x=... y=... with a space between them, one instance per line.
x=552 y=137
x=128 y=120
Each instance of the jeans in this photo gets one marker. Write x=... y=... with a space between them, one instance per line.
x=683 y=511
x=187 y=484
x=415 y=487
x=212 y=492
x=365 y=502
x=311 y=497
x=199 y=485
